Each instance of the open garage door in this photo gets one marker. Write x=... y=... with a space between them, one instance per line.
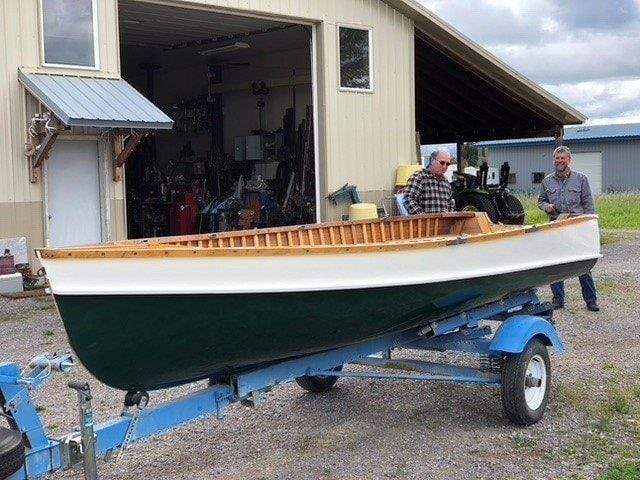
x=241 y=153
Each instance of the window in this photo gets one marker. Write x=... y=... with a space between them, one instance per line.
x=355 y=59
x=512 y=179
x=69 y=33
x=538 y=177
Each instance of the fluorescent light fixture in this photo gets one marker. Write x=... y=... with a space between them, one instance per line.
x=225 y=49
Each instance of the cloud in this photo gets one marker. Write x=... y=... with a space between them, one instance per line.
x=617 y=101
x=585 y=51
x=493 y=22
x=599 y=14
x=601 y=56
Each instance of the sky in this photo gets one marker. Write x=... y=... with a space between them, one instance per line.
x=587 y=52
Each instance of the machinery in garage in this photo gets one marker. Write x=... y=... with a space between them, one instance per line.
x=241 y=153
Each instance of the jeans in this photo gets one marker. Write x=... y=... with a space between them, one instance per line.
x=586 y=284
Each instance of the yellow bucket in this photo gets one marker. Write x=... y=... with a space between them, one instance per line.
x=363 y=211
x=404 y=172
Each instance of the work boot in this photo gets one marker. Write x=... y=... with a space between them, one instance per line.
x=557 y=303
x=593 y=307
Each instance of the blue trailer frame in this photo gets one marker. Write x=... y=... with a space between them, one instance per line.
x=523 y=319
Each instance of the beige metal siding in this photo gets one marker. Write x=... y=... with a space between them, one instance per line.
x=21 y=209
x=363 y=136
x=20 y=201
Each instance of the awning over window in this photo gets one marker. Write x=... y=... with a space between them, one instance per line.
x=94 y=102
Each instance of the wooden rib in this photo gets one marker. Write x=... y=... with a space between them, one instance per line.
x=383 y=231
x=322 y=239
x=343 y=237
x=332 y=236
x=353 y=234
x=458 y=227
x=311 y=240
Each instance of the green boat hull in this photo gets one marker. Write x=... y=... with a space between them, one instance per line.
x=147 y=342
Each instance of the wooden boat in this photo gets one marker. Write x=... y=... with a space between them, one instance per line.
x=156 y=313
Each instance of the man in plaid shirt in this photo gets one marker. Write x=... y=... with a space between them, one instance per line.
x=428 y=191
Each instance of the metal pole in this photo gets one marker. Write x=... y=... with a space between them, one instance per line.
x=560 y=137
x=86 y=430
x=461 y=160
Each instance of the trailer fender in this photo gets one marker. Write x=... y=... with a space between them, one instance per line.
x=514 y=334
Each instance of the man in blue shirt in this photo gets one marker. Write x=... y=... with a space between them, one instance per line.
x=566 y=191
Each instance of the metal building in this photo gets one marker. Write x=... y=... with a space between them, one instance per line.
x=608 y=154
x=415 y=73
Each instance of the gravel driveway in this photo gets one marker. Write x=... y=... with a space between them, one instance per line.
x=366 y=429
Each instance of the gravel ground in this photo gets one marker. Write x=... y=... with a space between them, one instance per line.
x=366 y=429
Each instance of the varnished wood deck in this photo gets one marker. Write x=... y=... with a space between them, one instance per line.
x=423 y=231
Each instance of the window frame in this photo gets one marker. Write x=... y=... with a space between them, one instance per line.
x=96 y=45
x=369 y=29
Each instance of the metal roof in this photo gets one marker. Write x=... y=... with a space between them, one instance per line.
x=80 y=101
x=582 y=133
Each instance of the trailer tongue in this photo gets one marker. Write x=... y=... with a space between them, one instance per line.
x=514 y=358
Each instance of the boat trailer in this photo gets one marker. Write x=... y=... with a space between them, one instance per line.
x=513 y=357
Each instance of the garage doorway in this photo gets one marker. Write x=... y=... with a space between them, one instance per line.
x=73 y=194
x=242 y=152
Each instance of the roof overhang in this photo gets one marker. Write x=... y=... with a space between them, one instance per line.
x=501 y=83
x=80 y=101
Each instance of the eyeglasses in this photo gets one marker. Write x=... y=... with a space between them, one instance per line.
x=445 y=163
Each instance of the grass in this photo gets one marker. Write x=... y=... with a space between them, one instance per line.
x=618 y=211
x=613 y=439
x=624 y=470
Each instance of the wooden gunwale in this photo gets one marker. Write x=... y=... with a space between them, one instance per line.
x=216 y=246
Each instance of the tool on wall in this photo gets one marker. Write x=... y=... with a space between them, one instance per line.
x=261 y=90
x=42 y=132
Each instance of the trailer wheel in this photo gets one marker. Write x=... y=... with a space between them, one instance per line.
x=318 y=383
x=526 y=379
x=11 y=452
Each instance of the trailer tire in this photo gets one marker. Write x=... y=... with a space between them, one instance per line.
x=477 y=202
x=515 y=210
x=526 y=380
x=318 y=383
x=11 y=452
